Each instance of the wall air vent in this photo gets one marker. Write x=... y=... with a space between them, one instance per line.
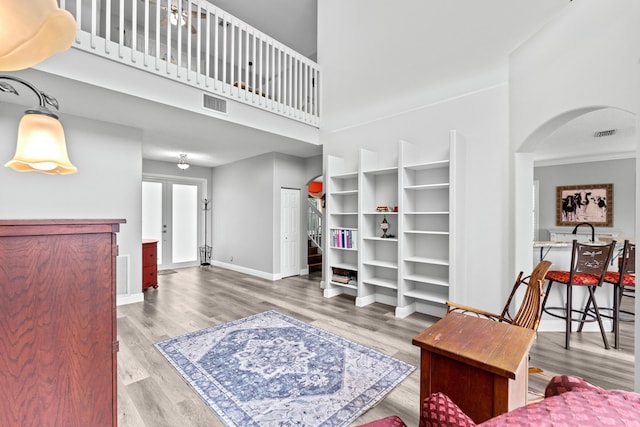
x=602 y=133
x=214 y=104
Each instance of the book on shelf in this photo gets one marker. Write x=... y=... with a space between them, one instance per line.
x=344 y=238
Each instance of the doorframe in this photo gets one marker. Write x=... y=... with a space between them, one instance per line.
x=203 y=192
x=299 y=237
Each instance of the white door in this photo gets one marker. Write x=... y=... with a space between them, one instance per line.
x=170 y=215
x=289 y=232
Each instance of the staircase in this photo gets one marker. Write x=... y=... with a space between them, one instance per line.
x=314 y=235
x=314 y=257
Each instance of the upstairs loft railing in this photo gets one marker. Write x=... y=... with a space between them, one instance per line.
x=198 y=44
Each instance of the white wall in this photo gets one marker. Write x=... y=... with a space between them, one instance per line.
x=585 y=59
x=107 y=184
x=242 y=212
x=381 y=57
x=620 y=173
x=481 y=118
x=246 y=211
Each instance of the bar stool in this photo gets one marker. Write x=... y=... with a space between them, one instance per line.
x=624 y=282
x=588 y=266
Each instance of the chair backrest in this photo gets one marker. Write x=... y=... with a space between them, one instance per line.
x=628 y=259
x=530 y=311
x=589 y=258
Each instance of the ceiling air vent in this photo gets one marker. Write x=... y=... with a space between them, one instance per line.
x=215 y=104
x=602 y=133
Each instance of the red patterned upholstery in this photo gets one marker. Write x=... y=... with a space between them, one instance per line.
x=569 y=401
x=439 y=410
x=614 y=277
x=578 y=279
x=564 y=383
x=581 y=407
x=393 y=421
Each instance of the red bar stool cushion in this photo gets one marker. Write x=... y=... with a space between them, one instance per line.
x=614 y=277
x=578 y=279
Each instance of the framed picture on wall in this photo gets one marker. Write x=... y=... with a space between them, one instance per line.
x=585 y=203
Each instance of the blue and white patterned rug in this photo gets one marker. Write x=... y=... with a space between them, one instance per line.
x=272 y=370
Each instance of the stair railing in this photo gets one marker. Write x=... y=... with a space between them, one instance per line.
x=314 y=223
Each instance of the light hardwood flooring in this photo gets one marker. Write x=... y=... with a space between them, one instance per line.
x=151 y=393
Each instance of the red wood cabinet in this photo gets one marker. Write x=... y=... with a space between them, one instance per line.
x=149 y=264
x=58 y=340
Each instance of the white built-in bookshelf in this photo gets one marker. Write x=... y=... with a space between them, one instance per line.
x=411 y=267
x=341 y=192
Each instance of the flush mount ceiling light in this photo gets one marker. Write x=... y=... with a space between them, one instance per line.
x=31 y=31
x=182 y=163
x=41 y=144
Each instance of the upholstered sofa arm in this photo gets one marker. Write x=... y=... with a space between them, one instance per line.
x=438 y=410
x=568 y=401
x=564 y=383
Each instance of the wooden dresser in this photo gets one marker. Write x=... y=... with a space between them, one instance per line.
x=58 y=341
x=149 y=264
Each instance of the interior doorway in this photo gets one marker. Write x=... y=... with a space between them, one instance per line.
x=170 y=216
x=289 y=232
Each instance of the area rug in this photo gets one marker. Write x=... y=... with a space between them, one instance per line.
x=270 y=369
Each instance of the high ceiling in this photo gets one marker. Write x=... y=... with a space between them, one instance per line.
x=168 y=131
x=292 y=22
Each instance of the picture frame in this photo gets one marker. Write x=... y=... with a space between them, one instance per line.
x=584 y=203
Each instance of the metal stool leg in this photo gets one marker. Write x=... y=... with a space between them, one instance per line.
x=598 y=317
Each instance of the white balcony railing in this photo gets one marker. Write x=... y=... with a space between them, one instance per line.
x=198 y=44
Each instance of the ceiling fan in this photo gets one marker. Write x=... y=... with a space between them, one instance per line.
x=175 y=17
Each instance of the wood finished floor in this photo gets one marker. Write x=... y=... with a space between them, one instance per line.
x=151 y=393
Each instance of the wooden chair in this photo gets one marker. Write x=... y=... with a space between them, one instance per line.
x=530 y=311
x=588 y=266
x=624 y=283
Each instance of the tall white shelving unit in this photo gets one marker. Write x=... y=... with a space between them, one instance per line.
x=421 y=264
x=341 y=217
x=378 y=256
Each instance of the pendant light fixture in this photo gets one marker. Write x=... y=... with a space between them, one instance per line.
x=41 y=145
x=182 y=163
x=31 y=31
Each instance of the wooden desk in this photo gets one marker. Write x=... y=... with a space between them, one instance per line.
x=482 y=365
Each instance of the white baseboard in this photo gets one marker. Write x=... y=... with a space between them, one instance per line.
x=245 y=270
x=364 y=301
x=403 y=312
x=129 y=299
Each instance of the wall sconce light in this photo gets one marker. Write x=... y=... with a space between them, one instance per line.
x=31 y=31
x=182 y=163
x=41 y=144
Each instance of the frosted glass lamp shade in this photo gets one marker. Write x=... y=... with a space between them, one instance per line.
x=41 y=146
x=182 y=163
x=31 y=31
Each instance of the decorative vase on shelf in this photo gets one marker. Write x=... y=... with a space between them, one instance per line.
x=384 y=226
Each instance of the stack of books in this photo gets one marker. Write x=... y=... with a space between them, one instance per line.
x=343 y=275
